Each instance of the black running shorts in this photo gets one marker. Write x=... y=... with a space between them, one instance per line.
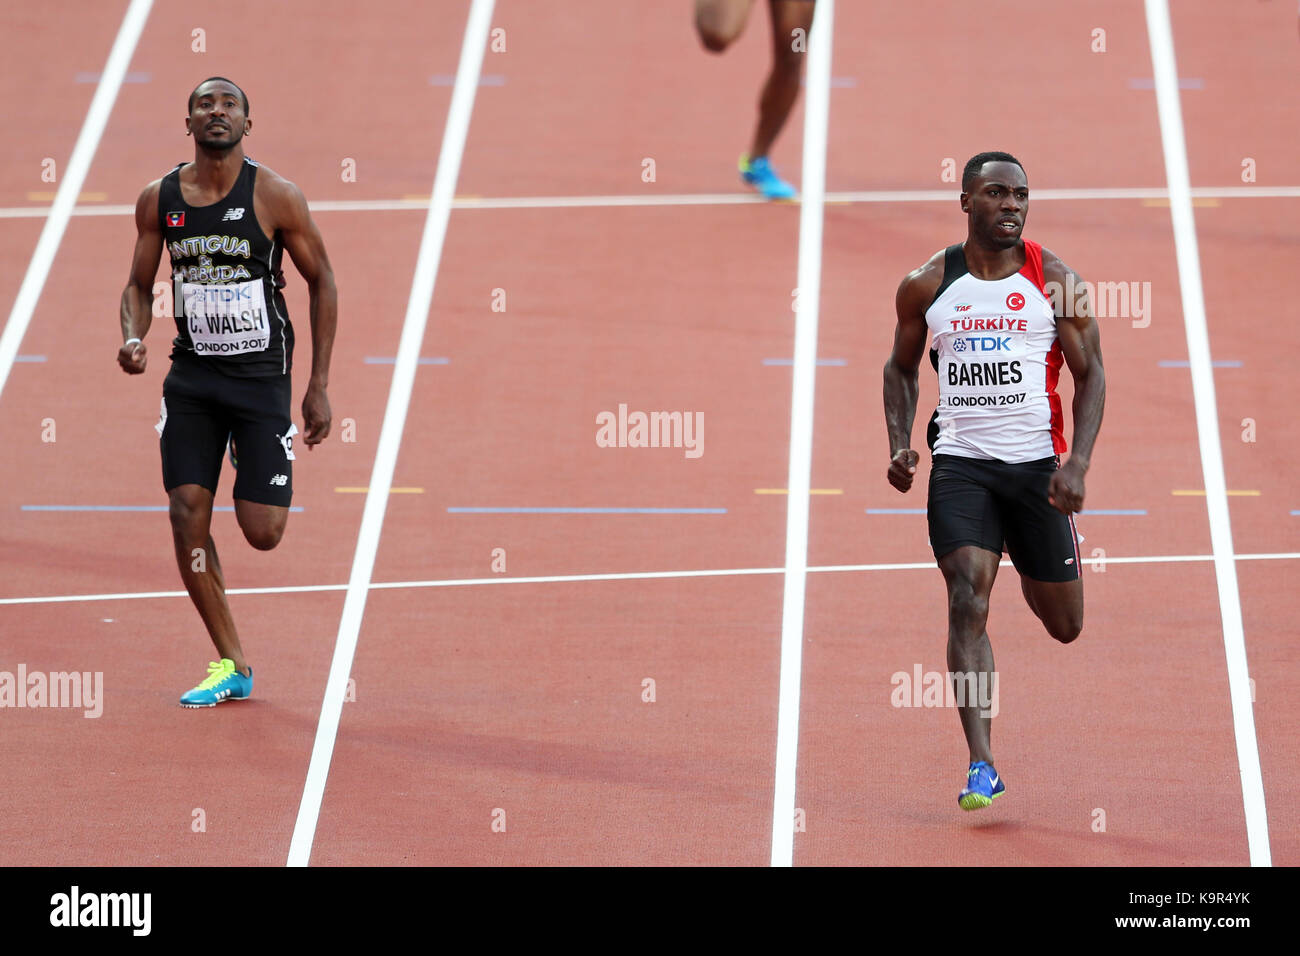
x=990 y=504
x=203 y=408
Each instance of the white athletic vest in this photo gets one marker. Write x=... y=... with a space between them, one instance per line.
x=995 y=348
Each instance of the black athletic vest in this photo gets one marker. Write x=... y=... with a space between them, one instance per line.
x=226 y=281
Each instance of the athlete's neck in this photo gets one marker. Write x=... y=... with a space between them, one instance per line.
x=215 y=171
x=990 y=262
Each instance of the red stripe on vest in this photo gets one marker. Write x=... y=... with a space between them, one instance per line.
x=1033 y=271
x=1054 y=360
x=1033 y=267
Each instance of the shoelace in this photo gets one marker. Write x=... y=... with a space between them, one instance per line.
x=216 y=674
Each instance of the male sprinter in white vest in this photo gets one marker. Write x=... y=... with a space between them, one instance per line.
x=1001 y=328
x=226 y=221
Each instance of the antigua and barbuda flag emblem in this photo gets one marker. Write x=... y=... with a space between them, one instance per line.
x=176 y=219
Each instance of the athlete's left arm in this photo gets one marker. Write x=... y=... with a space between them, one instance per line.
x=1077 y=331
x=305 y=246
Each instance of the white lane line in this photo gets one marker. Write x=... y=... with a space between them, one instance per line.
x=813 y=188
x=616 y=576
x=706 y=199
x=151 y=595
x=74 y=177
x=1207 y=424
x=390 y=436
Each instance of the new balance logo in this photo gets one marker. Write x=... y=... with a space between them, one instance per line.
x=233 y=214
x=279 y=480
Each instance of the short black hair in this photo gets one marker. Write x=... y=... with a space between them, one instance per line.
x=194 y=93
x=976 y=163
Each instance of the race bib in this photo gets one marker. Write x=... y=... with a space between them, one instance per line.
x=226 y=319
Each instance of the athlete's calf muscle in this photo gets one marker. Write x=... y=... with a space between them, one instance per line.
x=1058 y=604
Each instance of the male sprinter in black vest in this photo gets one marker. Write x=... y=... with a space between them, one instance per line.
x=226 y=221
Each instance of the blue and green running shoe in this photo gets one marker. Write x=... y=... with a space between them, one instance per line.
x=223 y=683
x=760 y=174
x=983 y=786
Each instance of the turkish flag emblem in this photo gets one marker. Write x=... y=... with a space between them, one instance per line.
x=1015 y=302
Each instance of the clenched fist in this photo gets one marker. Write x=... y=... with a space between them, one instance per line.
x=902 y=468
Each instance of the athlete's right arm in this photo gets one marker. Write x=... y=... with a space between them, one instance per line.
x=914 y=294
x=137 y=297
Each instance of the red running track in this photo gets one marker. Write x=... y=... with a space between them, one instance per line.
x=528 y=698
